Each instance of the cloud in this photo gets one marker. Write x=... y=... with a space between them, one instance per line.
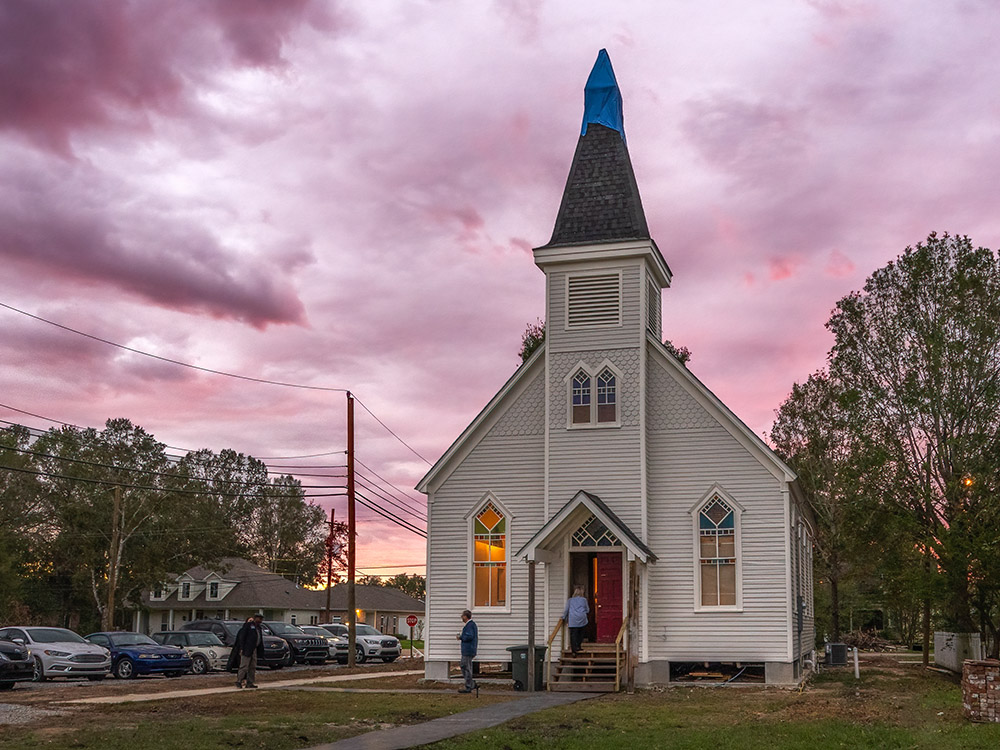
x=93 y=64
x=69 y=221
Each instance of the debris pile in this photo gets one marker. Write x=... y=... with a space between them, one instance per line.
x=867 y=640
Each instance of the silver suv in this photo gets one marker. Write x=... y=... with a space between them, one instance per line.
x=369 y=642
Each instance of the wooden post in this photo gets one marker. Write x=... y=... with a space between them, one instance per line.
x=108 y=621
x=632 y=655
x=351 y=539
x=530 y=687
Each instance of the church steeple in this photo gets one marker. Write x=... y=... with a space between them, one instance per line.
x=601 y=200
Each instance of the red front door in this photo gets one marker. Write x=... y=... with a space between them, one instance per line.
x=608 y=595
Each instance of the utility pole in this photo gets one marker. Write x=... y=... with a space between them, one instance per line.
x=113 y=554
x=351 y=541
x=329 y=566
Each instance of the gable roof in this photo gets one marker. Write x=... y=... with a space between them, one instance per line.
x=521 y=378
x=258 y=588
x=568 y=516
x=733 y=424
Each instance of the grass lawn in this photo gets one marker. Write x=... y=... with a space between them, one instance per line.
x=893 y=706
x=275 y=720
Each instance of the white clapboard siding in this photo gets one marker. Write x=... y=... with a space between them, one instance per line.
x=508 y=462
x=689 y=451
x=560 y=339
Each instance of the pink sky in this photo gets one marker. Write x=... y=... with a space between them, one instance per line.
x=346 y=195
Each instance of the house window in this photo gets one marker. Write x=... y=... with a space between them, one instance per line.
x=717 y=554
x=593 y=398
x=607 y=402
x=185 y=591
x=157 y=593
x=213 y=590
x=489 y=559
x=581 y=398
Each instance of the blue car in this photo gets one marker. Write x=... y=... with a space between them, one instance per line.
x=135 y=654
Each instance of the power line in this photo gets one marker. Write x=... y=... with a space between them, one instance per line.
x=404 y=492
x=371 y=505
x=173 y=361
x=408 y=446
x=376 y=490
x=211 y=480
x=153 y=489
x=172 y=447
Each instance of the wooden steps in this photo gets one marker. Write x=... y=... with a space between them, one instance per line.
x=592 y=670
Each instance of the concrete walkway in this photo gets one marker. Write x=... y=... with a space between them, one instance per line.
x=273 y=685
x=415 y=735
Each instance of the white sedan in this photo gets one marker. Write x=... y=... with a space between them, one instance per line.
x=57 y=652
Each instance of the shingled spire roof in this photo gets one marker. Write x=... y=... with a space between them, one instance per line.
x=601 y=200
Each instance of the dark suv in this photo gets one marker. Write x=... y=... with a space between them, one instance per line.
x=304 y=647
x=276 y=651
x=15 y=664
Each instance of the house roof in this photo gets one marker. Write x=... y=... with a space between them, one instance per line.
x=601 y=201
x=258 y=588
x=567 y=518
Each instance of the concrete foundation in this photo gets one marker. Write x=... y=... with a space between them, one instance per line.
x=780 y=673
x=436 y=670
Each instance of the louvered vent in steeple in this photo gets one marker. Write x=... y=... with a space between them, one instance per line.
x=594 y=300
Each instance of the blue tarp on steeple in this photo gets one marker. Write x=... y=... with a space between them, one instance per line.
x=602 y=101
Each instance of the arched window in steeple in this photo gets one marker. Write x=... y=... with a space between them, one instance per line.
x=581 y=397
x=607 y=396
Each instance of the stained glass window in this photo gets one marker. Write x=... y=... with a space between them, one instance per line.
x=717 y=554
x=607 y=402
x=581 y=398
x=489 y=558
x=593 y=533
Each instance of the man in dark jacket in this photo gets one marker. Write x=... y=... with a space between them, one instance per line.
x=250 y=646
x=470 y=645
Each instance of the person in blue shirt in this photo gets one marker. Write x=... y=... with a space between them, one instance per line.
x=575 y=617
x=470 y=645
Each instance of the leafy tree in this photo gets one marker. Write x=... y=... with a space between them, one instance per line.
x=681 y=354
x=919 y=354
x=813 y=432
x=21 y=516
x=532 y=338
x=118 y=517
x=414 y=585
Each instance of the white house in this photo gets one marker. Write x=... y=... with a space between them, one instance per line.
x=604 y=461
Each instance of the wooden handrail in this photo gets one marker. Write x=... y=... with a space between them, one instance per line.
x=618 y=653
x=548 y=655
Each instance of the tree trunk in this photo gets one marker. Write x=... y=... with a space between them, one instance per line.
x=835 y=608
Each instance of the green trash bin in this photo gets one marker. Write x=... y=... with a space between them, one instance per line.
x=519 y=666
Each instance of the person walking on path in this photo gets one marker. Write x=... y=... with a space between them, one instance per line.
x=250 y=646
x=470 y=645
x=575 y=617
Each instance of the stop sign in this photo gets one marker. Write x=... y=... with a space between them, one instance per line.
x=411 y=620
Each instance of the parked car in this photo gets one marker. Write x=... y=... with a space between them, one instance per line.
x=207 y=652
x=331 y=640
x=57 y=652
x=304 y=647
x=134 y=654
x=15 y=664
x=276 y=651
x=369 y=643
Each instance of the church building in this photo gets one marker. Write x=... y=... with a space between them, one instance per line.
x=604 y=462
